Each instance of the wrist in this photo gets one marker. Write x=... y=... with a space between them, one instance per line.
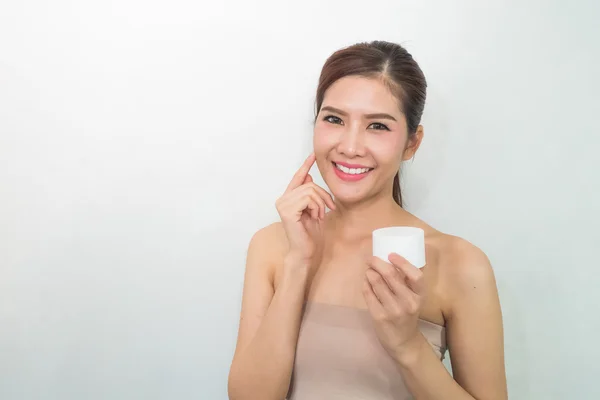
x=409 y=352
x=294 y=261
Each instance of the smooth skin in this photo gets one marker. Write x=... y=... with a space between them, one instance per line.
x=318 y=256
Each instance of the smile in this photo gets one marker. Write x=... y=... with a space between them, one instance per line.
x=350 y=174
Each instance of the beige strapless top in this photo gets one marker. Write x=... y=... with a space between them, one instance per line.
x=338 y=356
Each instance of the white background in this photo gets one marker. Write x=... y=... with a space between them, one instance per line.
x=143 y=142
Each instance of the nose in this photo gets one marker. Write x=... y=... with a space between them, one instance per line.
x=351 y=142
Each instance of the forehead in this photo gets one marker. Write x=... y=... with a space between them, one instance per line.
x=360 y=95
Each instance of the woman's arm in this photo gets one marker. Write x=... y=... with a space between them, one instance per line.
x=269 y=323
x=474 y=336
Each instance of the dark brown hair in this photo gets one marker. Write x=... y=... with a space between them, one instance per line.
x=389 y=62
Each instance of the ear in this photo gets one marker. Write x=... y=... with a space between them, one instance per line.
x=413 y=144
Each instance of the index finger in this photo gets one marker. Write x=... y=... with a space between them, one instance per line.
x=300 y=175
x=412 y=273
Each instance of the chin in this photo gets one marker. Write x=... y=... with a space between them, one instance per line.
x=348 y=195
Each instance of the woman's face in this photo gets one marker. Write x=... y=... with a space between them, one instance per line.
x=360 y=137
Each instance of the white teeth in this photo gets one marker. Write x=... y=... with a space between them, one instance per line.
x=352 y=171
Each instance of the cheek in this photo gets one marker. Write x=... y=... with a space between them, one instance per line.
x=324 y=138
x=387 y=148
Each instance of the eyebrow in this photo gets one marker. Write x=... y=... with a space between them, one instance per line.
x=368 y=116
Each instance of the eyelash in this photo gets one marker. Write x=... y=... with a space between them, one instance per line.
x=327 y=118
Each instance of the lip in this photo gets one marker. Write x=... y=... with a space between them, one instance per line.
x=349 y=177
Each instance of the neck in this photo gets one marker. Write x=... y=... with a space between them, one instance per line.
x=357 y=221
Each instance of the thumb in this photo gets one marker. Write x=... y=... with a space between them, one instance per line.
x=308 y=179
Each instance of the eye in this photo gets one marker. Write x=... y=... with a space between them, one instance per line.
x=379 y=126
x=332 y=119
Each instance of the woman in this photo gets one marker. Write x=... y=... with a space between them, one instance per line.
x=323 y=319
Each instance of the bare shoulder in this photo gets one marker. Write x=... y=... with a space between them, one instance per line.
x=269 y=234
x=456 y=263
x=463 y=268
x=270 y=241
x=461 y=259
x=267 y=250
